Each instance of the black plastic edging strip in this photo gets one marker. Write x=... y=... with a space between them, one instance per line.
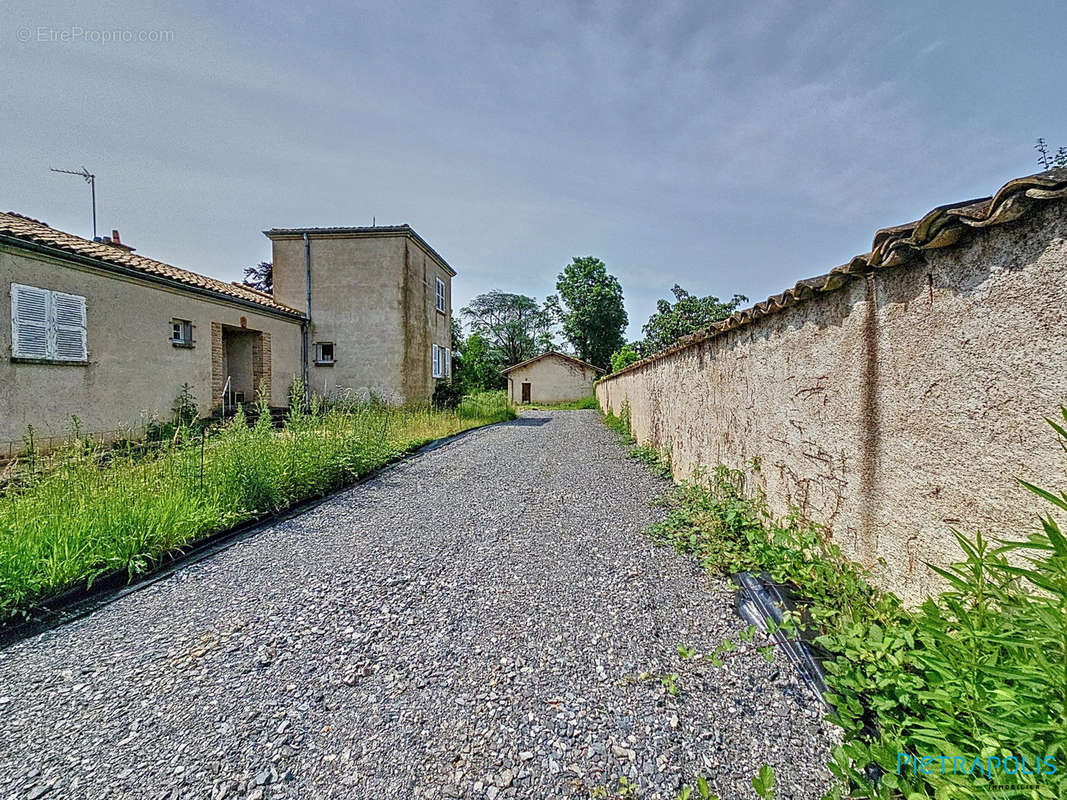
x=78 y=601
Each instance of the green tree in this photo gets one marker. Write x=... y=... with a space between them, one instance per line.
x=591 y=309
x=688 y=314
x=513 y=324
x=624 y=357
x=260 y=277
x=477 y=367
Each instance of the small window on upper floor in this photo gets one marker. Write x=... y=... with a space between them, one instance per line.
x=440 y=295
x=324 y=353
x=181 y=333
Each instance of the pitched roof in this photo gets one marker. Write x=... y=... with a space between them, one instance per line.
x=32 y=233
x=365 y=230
x=941 y=227
x=546 y=355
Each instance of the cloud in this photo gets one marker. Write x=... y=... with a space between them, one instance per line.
x=734 y=147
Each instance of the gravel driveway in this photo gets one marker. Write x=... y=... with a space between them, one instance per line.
x=474 y=623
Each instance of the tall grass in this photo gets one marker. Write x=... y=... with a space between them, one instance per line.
x=72 y=515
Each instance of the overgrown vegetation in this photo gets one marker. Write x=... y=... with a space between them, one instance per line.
x=974 y=681
x=688 y=314
x=657 y=461
x=571 y=405
x=69 y=516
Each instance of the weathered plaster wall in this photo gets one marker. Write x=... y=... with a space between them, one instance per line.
x=893 y=409
x=134 y=372
x=374 y=298
x=552 y=380
x=423 y=325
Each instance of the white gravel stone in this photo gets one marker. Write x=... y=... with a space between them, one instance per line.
x=472 y=622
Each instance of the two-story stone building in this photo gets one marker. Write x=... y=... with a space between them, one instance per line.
x=94 y=330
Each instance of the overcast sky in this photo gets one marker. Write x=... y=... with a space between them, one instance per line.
x=728 y=147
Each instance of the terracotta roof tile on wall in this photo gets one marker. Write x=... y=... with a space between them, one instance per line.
x=26 y=229
x=546 y=355
x=944 y=226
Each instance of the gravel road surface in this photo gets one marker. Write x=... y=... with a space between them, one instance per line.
x=486 y=620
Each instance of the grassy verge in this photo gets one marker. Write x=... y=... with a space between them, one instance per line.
x=573 y=405
x=75 y=514
x=974 y=681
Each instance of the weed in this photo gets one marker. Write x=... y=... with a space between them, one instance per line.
x=621 y=423
x=703 y=791
x=669 y=681
x=977 y=672
x=659 y=463
x=685 y=652
x=763 y=782
x=69 y=516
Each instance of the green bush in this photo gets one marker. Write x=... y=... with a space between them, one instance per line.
x=978 y=672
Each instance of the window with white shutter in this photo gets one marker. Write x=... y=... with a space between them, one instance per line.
x=440 y=295
x=68 y=324
x=47 y=326
x=29 y=322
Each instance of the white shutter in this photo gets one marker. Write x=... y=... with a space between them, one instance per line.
x=68 y=327
x=29 y=322
x=448 y=363
x=435 y=361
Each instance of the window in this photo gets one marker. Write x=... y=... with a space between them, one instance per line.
x=47 y=326
x=436 y=357
x=324 y=353
x=181 y=333
x=440 y=295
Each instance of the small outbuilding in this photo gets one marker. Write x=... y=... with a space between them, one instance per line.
x=551 y=378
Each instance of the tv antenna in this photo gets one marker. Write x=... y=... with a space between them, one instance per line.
x=89 y=179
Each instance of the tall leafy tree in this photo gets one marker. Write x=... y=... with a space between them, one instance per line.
x=478 y=366
x=686 y=315
x=592 y=311
x=260 y=277
x=624 y=357
x=514 y=325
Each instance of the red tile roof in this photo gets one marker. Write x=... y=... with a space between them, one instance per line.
x=546 y=355
x=36 y=233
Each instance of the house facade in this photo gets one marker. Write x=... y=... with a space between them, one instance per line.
x=379 y=304
x=93 y=330
x=550 y=378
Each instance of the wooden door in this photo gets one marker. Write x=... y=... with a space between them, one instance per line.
x=526 y=393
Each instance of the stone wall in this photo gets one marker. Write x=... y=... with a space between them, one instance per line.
x=900 y=399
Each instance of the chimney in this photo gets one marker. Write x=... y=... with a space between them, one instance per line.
x=115 y=241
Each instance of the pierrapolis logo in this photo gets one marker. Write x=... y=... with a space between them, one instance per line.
x=985 y=767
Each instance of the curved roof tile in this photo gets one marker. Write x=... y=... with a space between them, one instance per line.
x=30 y=230
x=942 y=227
